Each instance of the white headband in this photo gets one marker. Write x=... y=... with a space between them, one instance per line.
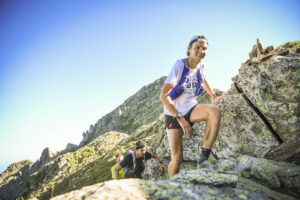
x=197 y=40
x=201 y=39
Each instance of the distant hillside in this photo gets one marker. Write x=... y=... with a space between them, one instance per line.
x=141 y=108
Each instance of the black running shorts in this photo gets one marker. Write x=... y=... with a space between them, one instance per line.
x=172 y=123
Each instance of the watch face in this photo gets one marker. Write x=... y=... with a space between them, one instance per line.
x=179 y=115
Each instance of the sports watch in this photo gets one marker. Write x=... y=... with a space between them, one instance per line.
x=178 y=115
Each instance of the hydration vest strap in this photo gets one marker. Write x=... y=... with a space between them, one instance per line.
x=199 y=89
x=134 y=159
x=178 y=89
x=183 y=75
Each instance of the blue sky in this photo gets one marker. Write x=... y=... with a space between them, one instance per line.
x=64 y=64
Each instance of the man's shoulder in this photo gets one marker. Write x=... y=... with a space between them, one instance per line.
x=128 y=158
x=129 y=155
x=148 y=155
x=179 y=63
x=178 y=67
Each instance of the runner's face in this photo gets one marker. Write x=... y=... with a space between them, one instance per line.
x=119 y=159
x=198 y=50
x=142 y=151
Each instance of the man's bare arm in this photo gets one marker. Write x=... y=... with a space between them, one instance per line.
x=165 y=99
x=209 y=90
x=117 y=169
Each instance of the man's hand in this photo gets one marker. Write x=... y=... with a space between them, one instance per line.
x=185 y=125
x=220 y=97
x=162 y=165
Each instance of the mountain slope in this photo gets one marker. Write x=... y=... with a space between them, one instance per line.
x=141 y=108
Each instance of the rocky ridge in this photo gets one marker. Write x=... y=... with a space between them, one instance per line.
x=61 y=174
x=142 y=108
x=14 y=178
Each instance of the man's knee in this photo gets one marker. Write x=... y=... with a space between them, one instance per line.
x=177 y=158
x=216 y=113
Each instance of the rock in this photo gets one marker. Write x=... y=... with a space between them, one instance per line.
x=253 y=52
x=192 y=184
x=262 y=50
x=13 y=179
x=280 y=176
x=45 y=158
x=71 y=147
x=245 y=163
x=258 y=54
x=254 y=186
x=277 y=175
x=259 y=46
x=272 y=87
x=209 y=177
x=115 y=189
x=154 y=172
x=288 y=152
x=227 y=164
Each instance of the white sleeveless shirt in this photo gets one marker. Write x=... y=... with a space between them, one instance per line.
x=187 y=99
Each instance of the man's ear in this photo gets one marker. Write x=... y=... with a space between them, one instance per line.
x=189 y=49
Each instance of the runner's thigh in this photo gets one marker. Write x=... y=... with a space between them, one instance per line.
x=201 y=112
x=175 y=140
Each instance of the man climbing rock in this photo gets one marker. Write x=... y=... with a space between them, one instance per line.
x=185 y=83
x=133 y=162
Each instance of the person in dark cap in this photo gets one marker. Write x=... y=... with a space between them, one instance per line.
x=133 y=163
x=184 y=84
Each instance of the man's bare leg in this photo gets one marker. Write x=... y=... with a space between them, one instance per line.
x=175 y=141
x=212 y=115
